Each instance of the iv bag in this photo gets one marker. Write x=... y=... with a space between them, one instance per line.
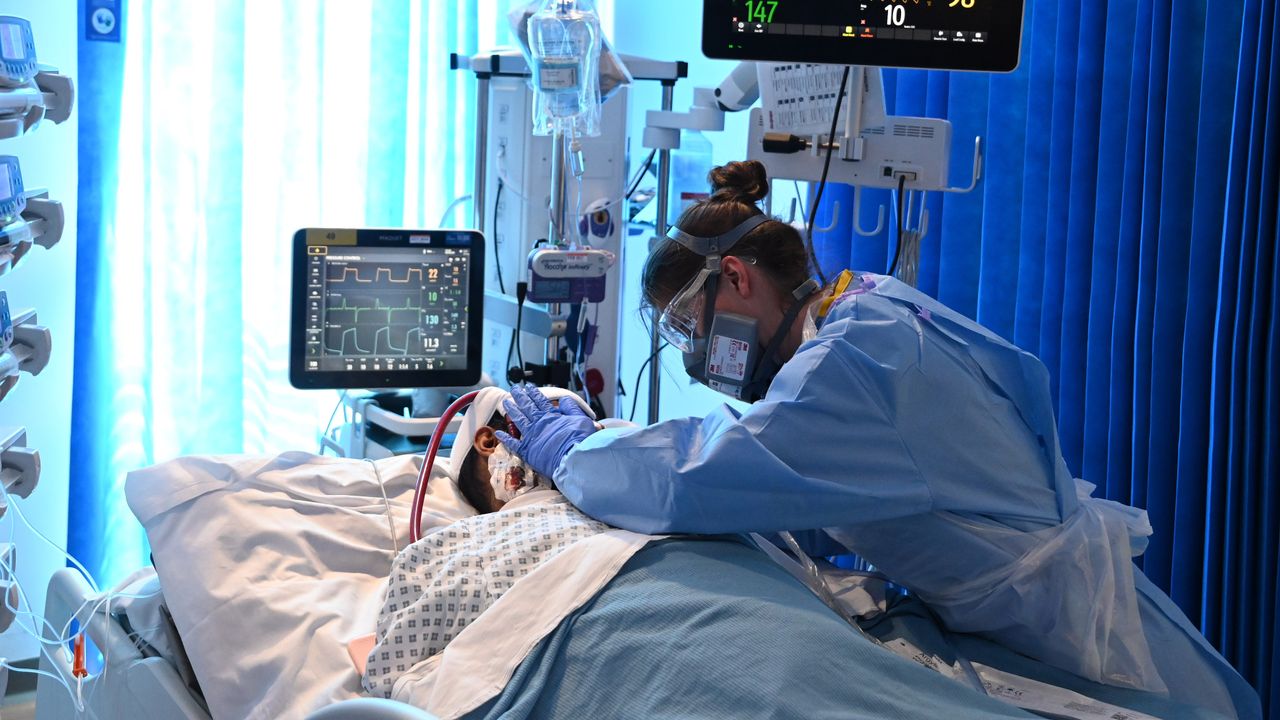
x=565 y=41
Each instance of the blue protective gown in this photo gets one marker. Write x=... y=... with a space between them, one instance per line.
x=926 y=444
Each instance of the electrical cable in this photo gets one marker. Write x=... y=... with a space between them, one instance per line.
x=342 y=399
x=826 y=168
x=444 y=217
x=800 y=199
x=635 y=183
x=635 y=392
x=497 y=253
x=511 y=187
x=897 y=251
x=522 y=289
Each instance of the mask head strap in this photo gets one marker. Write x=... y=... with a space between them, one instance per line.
x=720 y=244
x=762 y=378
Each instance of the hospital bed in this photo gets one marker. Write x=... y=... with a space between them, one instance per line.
x=271 y=565
x=150 y=664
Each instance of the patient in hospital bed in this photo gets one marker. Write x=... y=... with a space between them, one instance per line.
x=272 y=565
x=441 y=584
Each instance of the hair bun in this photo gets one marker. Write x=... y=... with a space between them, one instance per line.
x=745 y=182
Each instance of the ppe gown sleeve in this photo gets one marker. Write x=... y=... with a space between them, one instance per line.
x=819 y=450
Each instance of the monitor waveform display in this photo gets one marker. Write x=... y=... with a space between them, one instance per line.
x=388 y=309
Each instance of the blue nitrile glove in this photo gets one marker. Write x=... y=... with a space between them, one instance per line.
x=547 y=432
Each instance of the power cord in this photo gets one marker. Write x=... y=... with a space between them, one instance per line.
x=897 y=251
x=635 y=391
x=342 y=399
x=635 y=183
x=826 y=168
x=516 y=374
x=497 y=254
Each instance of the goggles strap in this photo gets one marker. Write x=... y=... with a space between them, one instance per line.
x=720 y=244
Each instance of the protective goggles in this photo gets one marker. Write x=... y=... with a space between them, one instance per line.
x=680 y=320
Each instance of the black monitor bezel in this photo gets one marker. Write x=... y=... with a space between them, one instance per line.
x=999 y=57
x=300 y=378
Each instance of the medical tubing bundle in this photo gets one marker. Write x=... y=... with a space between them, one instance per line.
x=429 y=461
x=59 y=636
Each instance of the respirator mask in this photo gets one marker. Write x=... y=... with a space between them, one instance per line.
x=510 y=476
x=729 y=358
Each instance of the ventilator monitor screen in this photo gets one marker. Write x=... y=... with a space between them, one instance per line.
x=386 y=308
x=936 y=34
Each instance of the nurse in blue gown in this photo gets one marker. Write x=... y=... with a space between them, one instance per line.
x=889 y=426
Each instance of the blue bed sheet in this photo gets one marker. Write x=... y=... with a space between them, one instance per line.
x=712 y=628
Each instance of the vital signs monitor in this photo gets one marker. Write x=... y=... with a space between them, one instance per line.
x=981 y=35
x=386 y=308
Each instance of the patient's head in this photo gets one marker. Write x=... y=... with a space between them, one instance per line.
x=476 y=478
x=487 y=474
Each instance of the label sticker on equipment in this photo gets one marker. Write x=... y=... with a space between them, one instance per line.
x=558 y=77
x=728 y=357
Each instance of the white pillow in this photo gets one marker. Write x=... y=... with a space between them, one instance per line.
x=270 y=566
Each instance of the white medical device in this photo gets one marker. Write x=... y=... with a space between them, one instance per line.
x=29 y=92
x=26 y=216
x=26 y=346
x=568 y=276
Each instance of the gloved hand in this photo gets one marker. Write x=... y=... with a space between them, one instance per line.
x=547 y=432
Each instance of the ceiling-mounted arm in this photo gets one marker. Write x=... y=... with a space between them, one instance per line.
x=740 y=89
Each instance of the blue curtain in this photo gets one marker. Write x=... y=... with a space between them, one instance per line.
x=1126 y=233
x=208 y=136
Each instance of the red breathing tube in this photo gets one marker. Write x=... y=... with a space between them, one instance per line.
x=420 y=492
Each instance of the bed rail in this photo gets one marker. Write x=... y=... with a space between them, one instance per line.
x=129 y=685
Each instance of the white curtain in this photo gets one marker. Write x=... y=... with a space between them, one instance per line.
x=241 y=122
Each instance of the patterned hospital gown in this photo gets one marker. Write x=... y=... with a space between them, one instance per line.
x=442 y=583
